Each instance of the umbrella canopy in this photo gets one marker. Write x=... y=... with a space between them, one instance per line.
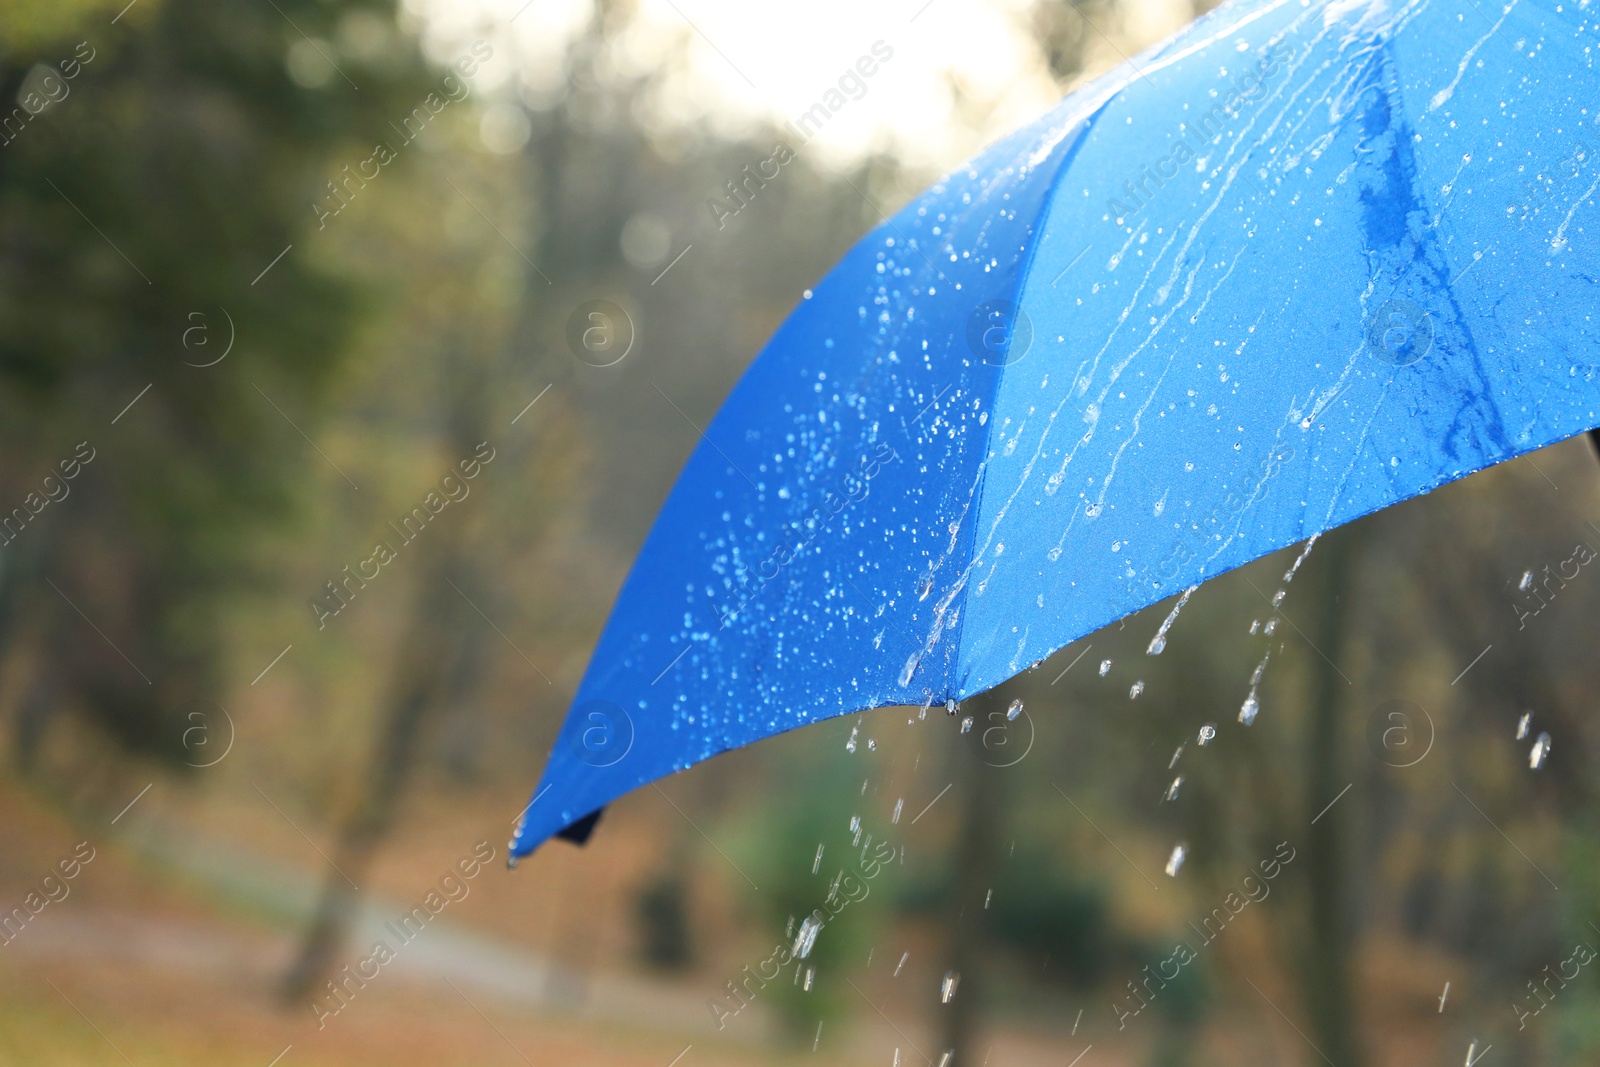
x=1299 y=263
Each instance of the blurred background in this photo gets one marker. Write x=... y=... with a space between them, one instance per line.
x=270 y=270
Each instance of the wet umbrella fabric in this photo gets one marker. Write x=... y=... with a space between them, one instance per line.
x=1299 y=263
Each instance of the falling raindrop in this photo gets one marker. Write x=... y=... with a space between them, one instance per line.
x=926 y=703
x=1014 y=710
x=1158 y=643
x=807 y=937
x=966 y=725
x=1472 y=1048
x=1175 y=861
x=1105 y=667
x=946 y=1056
x=1277 y=598
x=1261 y=668
x=1540 y=752
x=1135 y=689
x=896 y=1057
x=1255 y=625
x=1288 y=575
x=947 y=987
x=898 y=805
x=1207 y=732
x=903 y=957
x=1270 y=628
x=1526 y=583
x=855 y=823
x=1250 y=708
x=986 y=898
x=1172 y=790
x=811 y=973
x=850 y=745
x=816 y=864
x=1523 y=724
x=872 y=746
x=1173 y=762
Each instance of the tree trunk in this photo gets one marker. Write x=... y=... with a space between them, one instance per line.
x=977 y=789
x=1332 y=930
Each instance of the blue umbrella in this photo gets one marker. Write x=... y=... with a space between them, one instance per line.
x=1298 y=263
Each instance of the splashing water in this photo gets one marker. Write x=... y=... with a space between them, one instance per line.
x=1172 y=790
x=947 y=987
x=1158 y=643
x=1288 y=575
x=807 y=937
x=1207 y=732
x=1523 y=724
x=1135 y=689
x=1180 y=852
x=1261 y=668
x=1105 y=667
x=1540 y=752
x=1014 y=710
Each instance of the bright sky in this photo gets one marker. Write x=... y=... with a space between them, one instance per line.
x=733 y=63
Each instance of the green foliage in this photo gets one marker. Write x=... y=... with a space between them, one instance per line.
x=178 y=160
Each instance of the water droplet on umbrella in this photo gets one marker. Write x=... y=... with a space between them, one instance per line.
x=1135 y=689
x=1249 y=709
x=1540 y=751
x=947 y=987
x=1158 y=643
x=1526 y=583
x=1523 y=724
x=966 y=725
x=1207 y=732
x=1014 y=710
x=1288 y=575
x=1105 y=667
x=1175 y=861
x=1172 y=790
